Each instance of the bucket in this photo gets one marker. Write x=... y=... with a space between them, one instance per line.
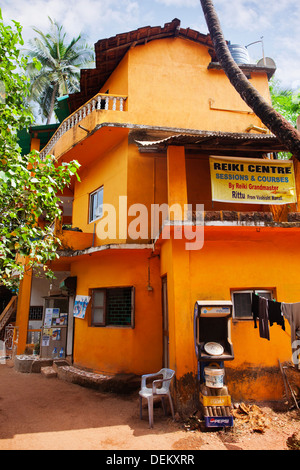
x=214 y=376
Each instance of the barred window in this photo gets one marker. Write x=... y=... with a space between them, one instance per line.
x=36 y=312
x=242 y=302
x=113 y=307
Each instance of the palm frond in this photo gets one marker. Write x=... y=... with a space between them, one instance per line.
x=60 y=64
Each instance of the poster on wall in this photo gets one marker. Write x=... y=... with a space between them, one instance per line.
x=48 y=318
x=80 y=306
x=252 y=180
x=56 y=335
x=45 y=340
x=51 y=314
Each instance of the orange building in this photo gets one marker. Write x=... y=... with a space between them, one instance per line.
x=143 y=128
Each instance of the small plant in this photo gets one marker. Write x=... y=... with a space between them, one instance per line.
x=36 y=349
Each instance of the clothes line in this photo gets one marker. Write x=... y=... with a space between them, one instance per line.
x=267 y=312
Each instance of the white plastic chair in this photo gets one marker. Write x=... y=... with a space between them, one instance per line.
x=150 y=393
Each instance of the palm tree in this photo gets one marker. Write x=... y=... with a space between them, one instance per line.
x=60 y=61
x=276 y=123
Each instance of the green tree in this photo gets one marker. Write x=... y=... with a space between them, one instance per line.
x=285 y=101
x=28 y=186
x=274 y=121
x=61 y=62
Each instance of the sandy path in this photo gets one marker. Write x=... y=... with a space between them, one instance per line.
x=38 y=413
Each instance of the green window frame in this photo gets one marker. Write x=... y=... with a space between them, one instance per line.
x=113 y=307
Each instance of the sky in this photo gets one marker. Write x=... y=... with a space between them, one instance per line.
x=275 y=25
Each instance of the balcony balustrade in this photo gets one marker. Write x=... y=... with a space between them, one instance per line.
x=100 y=102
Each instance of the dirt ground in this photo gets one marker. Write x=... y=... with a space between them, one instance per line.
x=39 y=413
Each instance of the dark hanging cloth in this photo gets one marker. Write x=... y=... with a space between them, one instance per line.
x=275 y=314
x=292 y=314
x=263 y=318
x=260 y=313
x=255 y=308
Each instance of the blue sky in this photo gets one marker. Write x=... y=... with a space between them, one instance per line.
x=243 y=22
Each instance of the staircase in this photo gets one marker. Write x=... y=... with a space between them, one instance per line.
x=7 y=313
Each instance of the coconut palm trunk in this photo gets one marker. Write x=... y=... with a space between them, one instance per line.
x=52 y=103
x=276 y=123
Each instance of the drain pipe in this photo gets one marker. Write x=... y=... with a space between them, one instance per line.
x=195 y=343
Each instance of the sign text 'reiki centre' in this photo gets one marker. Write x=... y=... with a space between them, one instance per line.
x=252 y=181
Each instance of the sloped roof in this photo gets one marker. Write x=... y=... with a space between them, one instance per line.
x=109 y=53
x=207 y=142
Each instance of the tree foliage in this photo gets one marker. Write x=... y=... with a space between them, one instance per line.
x=274 y=121
x=285 y=101
x=28 y=186
x=61 y=63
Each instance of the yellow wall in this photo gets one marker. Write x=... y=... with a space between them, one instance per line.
x=146 y=183
x=120 y=349
x=108 y=170
x=117 y=84
x=170 y=85
x=233 y=259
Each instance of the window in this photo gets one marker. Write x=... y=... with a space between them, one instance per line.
x=36 y=313
x=242 y=302
x=113 y=307
x=96 y=204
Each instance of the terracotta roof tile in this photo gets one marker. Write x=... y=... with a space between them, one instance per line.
x=110 y=51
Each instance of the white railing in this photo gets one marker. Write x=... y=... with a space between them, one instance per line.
x=100 y=102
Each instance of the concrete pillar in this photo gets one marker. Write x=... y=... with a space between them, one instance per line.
x=177 y=185
x=182 y=357
x=23 y=309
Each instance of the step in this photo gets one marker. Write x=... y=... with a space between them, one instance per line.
x=30 y=363
x=119 y=383
x=49 y=372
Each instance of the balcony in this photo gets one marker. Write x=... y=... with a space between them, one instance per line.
x=84 y=121
x=72 y=239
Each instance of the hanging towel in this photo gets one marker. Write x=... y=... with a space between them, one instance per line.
x=260 y=313
x=275 y=313
x=292 y=313
x=263 y=318
x=255 y=308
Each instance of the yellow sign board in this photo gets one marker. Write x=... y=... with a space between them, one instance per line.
x=252 y=180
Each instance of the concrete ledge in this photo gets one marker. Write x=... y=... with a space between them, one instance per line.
x=30 y=364
x=39 y=363
x=23 y=363
x=49 y=372
x=60 y=368
x=120 y=383
x=240 y=218
x=59 y=363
